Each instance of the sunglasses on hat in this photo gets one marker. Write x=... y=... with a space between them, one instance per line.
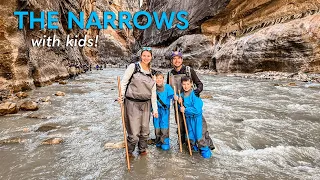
x=146 y=49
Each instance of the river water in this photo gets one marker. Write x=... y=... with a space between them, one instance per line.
x=261 y=131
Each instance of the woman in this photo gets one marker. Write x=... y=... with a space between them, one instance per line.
x=139 y=91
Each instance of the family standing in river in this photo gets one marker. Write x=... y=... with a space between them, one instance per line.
x=143 y=91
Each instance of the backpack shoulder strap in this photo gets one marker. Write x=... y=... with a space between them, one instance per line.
x=137 y=68
x=153 y=72
x=188 y=71
x=161 y=102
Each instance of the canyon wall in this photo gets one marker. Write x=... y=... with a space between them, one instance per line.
x=242 y=35
x=23 y=67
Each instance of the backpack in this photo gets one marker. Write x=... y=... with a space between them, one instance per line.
x=188 y=72
x=137 y=69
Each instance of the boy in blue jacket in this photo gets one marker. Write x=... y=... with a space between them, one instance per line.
x=161 y=124
x=192 y=108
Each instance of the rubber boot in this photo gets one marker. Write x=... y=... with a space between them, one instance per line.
x=166 y=145
x=205 y=152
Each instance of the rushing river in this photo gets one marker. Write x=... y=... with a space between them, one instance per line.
x=261 y=131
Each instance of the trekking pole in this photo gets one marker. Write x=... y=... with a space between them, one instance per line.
x=177 y=118
x=124 y=125
x=186 y=128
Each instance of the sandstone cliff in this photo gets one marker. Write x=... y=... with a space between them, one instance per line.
x=243 y=35
x=23 y=67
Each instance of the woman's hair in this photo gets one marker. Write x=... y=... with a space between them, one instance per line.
x=186 y=78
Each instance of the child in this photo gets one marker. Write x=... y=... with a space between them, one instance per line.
x=192 y=108
x=161 y=124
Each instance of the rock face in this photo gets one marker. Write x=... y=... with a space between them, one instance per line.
x=198 y=12
x=22 y=67
x=114 y=45
x=243 y=35
x=288 y=47
x=197 y=51
x=269 y=35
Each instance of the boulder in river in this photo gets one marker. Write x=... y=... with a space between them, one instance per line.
x=38 y=116
x=47 y=127
x=13 y=140
x=29 y=106
x=313 y=85
x=45 y=99
x=52 y=141
x=25 y=130
x=59 y=93
x=62 y=82
x=117 y=145
x=292 y=84
x=206 y=96
x=8 y=108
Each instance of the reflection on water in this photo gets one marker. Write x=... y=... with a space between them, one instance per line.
x=261 y=132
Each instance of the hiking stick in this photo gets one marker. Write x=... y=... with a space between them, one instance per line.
x=124 y=125
x=186 y=128
x=177 y=118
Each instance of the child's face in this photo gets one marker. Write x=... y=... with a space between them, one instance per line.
x=159 y=80
x=186 y=85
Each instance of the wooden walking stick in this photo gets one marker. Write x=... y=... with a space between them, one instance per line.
x=124 y=126
x=186 y=128
x=177 y=118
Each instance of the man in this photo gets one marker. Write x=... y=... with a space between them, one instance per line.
x=179 y=70
x=174 y=79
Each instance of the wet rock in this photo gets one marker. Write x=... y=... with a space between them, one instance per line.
x=29 y=106
x=47 y=127
x=114 y=145
x=59 y=93
x=14 y=140
x=151 y=141
x=25 y=130
x=303 y=77
x=22 y=95
x=45 y=99
x=38 y=116
x=313 y=85
x=237 y=120
x=206 y=96
x=63 y=82
x=292 y=84
x=52 y=141
x=8 y=108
